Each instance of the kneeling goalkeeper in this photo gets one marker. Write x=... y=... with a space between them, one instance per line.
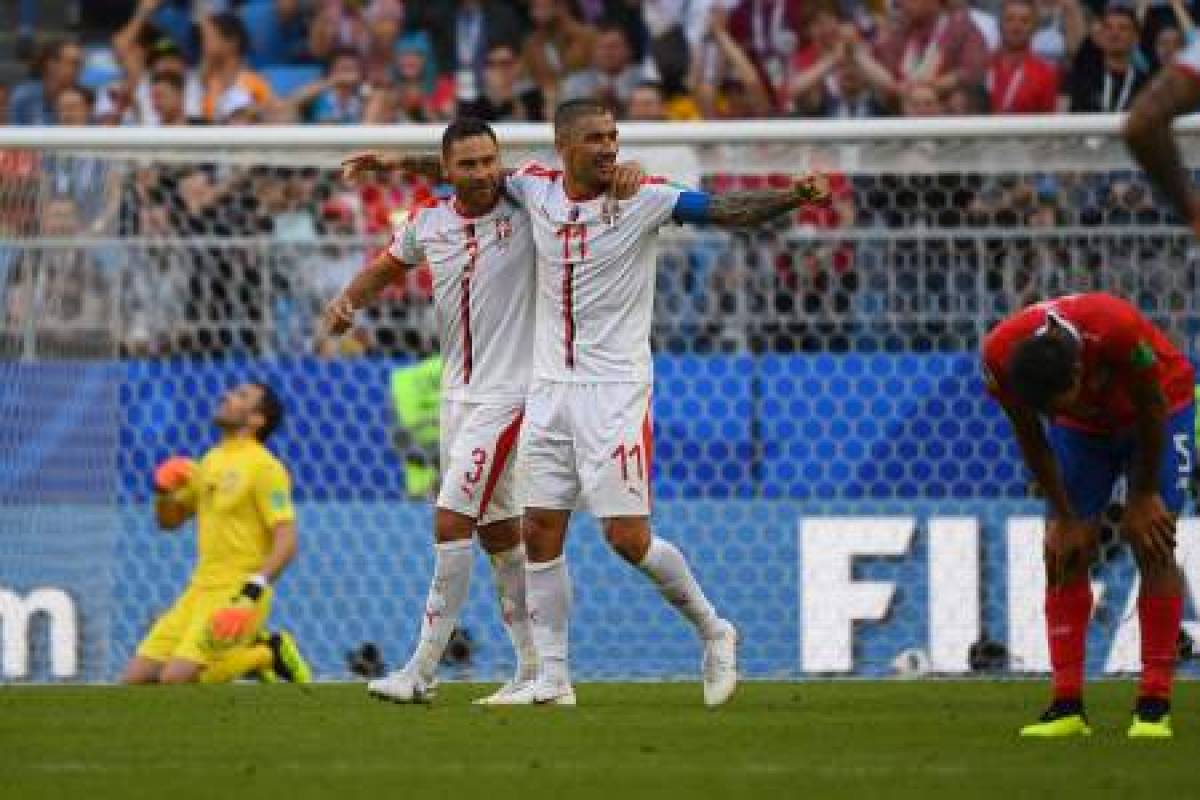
x=246 y=534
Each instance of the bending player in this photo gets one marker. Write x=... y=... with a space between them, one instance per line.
x=240 y=495
x=479 y=247
x=587 y=434
x=1174 y=92
x=1119 y=401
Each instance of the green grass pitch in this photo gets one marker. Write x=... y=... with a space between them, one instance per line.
x=861 y=740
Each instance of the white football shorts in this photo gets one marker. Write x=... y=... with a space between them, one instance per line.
x=588 y=446
x=478 y=449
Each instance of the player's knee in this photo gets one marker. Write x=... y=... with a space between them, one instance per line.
x=450 y=526
x=543 y=533
x=1068 y=564
x=629 y=538
x=500 y=537
x=177 y=673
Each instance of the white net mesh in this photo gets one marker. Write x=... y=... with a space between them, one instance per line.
x=824 y=453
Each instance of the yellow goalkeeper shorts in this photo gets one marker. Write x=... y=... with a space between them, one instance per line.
x=183 y=632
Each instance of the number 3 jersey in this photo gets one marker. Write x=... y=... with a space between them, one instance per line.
x=483 y=274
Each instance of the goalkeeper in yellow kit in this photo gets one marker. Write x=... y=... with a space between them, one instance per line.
x=240 y=495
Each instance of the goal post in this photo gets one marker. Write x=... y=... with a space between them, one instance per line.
x=824 y=453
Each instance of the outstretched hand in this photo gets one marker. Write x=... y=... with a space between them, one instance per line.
x=337 y=317
x=359 y=165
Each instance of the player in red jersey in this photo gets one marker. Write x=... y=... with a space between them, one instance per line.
x=1119 y=402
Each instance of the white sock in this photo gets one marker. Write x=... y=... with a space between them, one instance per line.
x=666 y=566
x=447 y=593
x=548 y=595
x=509 y=569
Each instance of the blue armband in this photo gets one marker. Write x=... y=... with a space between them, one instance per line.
x=692 y=207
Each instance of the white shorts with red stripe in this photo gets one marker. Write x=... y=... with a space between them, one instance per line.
x=588 y=446
x=478 y=446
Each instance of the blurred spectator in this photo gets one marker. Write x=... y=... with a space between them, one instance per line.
x=628 y=14
x=1061 y=30
x=930 y=45
x=646 y=103
x=167 y=99
x=32 y=102
x=676 y=31
x=737 y=90
x=558 y=46
x=503 y=100
x=60 y=294
x=142 y=54
x=237 y=107
x=1155 y=16
x=418 y=93
x=612 y=74
x=4 y=94
x=338 y=25
x=223 y=69
x=462 y=31
x=922 y=100
x=1018 y=82
x=972 y=101
x=768 y=31
x=339 y=98
x=812 y=64
x=73 y=106
x=847 y=95
x=1105 y=76
x=385 y=22
x=1167 y=43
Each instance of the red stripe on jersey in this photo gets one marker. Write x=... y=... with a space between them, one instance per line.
x=465 y=301
x=568 y=300
x=504 y=446
x=648 y=449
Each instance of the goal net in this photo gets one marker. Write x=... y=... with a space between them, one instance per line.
x=823 y=450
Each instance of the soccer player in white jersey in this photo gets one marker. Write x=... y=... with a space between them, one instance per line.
x=478 y=246
x=586 y=439
x=1174 y=92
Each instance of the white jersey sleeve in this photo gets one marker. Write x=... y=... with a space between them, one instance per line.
x=406 y=243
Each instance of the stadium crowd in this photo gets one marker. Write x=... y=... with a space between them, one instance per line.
x=174 y=63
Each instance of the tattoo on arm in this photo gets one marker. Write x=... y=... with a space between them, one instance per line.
x=746 y=209
x=1148 y=134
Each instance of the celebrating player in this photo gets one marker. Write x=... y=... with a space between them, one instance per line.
x=240 y=495
x=479 y=247
x=587 y=432
x=1173 y=93
x=1119 y=400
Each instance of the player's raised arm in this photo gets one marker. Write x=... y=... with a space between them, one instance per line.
x=359 y=165
x=1039 y=458
x=754 y=207
x=1171 y=94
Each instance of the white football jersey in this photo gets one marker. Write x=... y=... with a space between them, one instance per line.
x=483 y=288
x=595 y=279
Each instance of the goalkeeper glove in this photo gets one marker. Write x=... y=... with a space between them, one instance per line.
x=173 y=474
x=236 y=620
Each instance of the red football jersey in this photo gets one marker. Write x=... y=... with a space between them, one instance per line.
x=1119 y=347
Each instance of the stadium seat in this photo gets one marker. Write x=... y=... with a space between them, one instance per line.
x=267 y=45
x=285 y=79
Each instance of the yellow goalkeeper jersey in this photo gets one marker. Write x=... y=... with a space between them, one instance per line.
x=240 y=491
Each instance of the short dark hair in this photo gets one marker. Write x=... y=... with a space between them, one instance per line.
x=174 y=79
x=230 y=26
x=569 y=113
x=1122 y=9
x=271 y=408
x=349 y=52
x=465 y=128
x=1042 y=367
